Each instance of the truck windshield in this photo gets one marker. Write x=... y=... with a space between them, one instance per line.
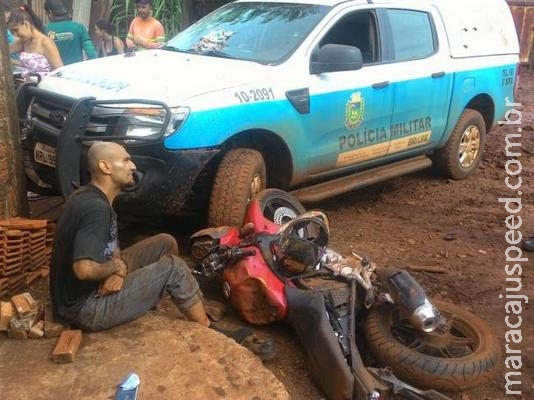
x=267 y=33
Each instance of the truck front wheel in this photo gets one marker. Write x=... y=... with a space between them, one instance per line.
x=463 y=151
x=240 y=176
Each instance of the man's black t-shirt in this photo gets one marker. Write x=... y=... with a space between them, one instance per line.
x=87 y=229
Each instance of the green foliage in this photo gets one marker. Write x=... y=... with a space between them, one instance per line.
x=168 y=12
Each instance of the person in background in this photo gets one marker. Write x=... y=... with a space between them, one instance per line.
x=72 y=38
x=9 y=34
x=7 y=15
x=109 y=45
x=145 y=32
x=38 y=54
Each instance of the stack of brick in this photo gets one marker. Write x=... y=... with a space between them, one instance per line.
x=24 y=317
x=3 y=245
x=25 y=253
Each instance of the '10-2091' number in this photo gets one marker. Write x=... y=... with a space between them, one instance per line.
x=247 y=96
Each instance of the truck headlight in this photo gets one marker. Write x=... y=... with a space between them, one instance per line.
x=146 y=122
x=137 y=122
x=179 y=115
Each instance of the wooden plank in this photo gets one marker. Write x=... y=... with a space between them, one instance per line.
x=67 y=346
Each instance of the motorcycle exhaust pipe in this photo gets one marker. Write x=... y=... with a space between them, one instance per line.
x=411 y=297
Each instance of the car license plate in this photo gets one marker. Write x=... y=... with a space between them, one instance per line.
x=45 y=154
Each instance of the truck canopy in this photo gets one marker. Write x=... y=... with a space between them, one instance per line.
x=478 y=27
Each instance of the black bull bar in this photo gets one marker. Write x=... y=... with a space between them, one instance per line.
x=69 y=122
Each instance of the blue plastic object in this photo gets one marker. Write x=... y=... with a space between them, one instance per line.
x=129 y=388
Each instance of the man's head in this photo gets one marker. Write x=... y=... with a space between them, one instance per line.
x=55 y=8
x=111 y=164
x=144 y=8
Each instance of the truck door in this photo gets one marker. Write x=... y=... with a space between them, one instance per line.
x=420 y=79
x=350 y=110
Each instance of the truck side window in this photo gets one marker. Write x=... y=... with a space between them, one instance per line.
x=357 y=29
x=413 y=34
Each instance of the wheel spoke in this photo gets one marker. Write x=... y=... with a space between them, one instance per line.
x=406 y=335
x=445 y=352
x=462 y=341
x=404 y=327
x=469 y=146
x=417 y=345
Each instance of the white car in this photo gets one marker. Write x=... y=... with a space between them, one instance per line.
x=314 y=97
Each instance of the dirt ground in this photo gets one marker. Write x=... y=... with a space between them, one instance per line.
x=410 y=221
x=407 y=221
x=423 y=220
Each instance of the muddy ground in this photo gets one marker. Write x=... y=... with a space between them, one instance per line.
x=409 y=221
x=423 y=220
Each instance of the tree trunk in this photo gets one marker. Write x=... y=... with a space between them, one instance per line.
x=81 y=12
x=12 y=194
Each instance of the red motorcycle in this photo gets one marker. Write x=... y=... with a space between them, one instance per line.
x=277 y=266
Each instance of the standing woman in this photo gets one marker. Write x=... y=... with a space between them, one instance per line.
x=109 y=45
x=38 y=53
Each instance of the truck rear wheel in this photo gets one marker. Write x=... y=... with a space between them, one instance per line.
x=240 y=176
x=463 y=151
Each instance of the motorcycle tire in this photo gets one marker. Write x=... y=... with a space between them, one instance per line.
x=468 y=358
x=279 y=206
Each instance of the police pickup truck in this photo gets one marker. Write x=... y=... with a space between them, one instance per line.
x=316 y=97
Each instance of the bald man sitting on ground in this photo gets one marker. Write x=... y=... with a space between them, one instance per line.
x=93 y=284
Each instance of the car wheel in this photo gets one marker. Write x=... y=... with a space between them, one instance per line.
x=463 y=151
x=240 y=176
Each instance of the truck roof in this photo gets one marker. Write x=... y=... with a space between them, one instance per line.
x=441 y=4
x=473 y=27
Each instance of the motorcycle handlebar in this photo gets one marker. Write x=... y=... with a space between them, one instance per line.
x=217 y=261
x=247 y=252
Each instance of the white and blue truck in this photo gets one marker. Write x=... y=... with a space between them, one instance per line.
x=316 y=97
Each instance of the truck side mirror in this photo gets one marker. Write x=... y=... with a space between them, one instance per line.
x=334 y=58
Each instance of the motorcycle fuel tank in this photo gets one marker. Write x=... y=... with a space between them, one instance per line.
x=254 y=290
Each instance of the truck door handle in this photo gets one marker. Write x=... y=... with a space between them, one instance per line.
x=380 y=85
x=438 y=74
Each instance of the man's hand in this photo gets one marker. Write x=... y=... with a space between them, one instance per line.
x=122 y=267
x=112 y=284
x=139 y=41
x=130 y=43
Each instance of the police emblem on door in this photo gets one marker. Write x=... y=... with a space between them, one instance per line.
x=354 y=111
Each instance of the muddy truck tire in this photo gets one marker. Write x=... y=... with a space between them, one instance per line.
x=240 y=176
x=463 y=151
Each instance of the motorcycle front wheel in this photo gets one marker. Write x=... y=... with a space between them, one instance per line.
x=279 y=206
x=465 y=357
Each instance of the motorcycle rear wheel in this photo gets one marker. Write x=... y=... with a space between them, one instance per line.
x=466 y=358
x=279 y=206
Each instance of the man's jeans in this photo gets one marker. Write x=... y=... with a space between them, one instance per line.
x=153 y=268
